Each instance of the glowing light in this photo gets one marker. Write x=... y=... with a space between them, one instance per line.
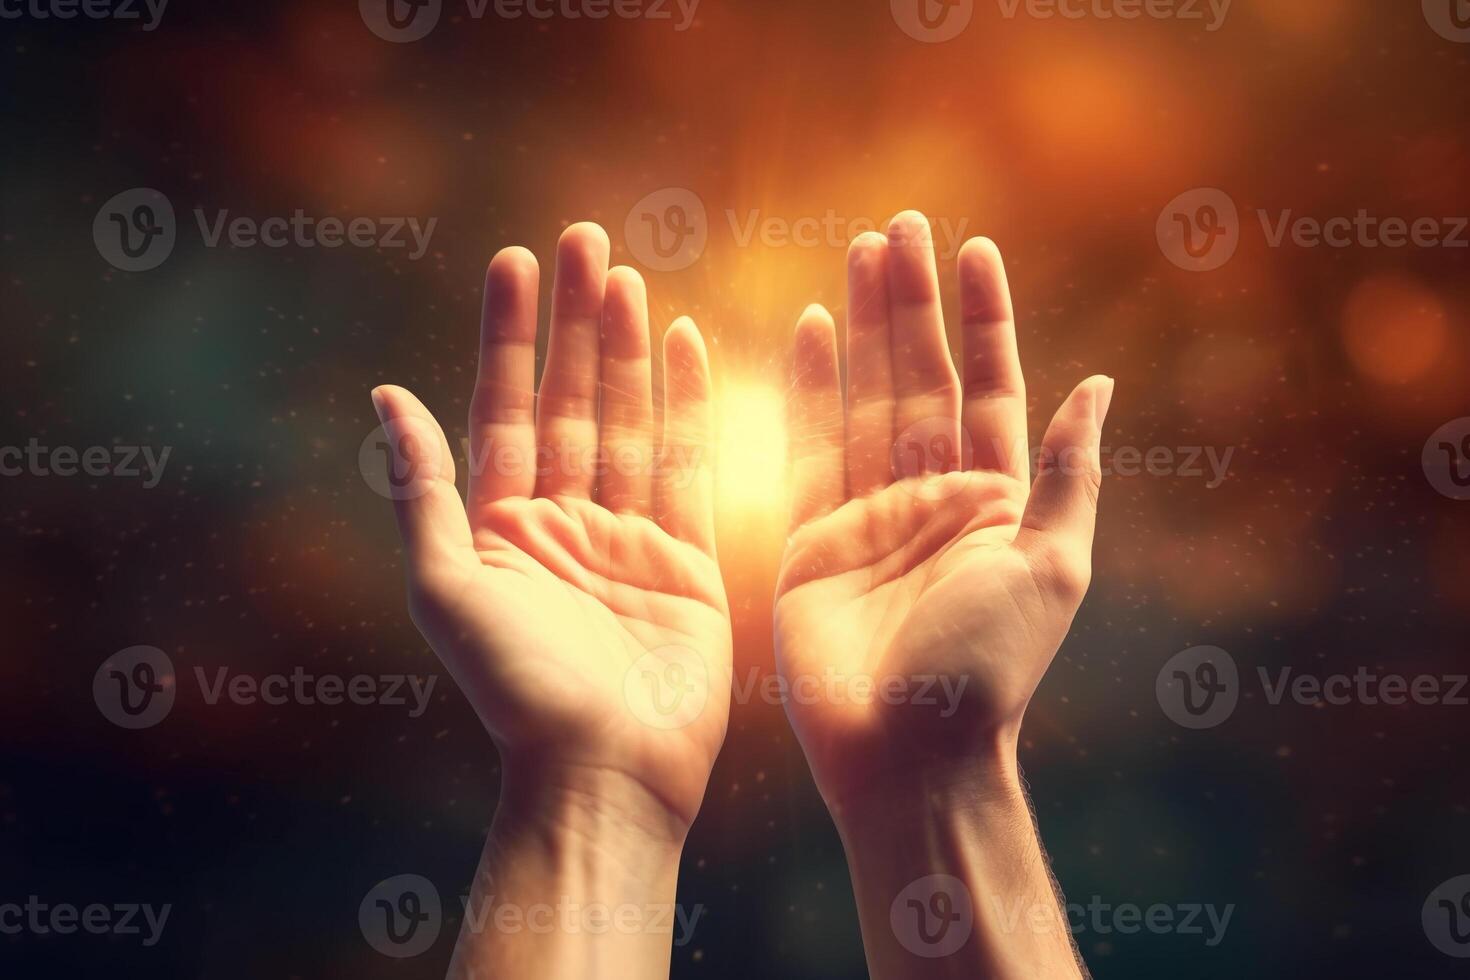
x=751 y=450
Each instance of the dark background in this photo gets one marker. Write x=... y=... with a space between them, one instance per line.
x=263 y=548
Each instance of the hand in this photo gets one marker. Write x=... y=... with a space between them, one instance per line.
x=580 y=581
x=953 y=567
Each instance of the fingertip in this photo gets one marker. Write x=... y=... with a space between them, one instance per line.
x=866 y=243
x=511 y=265
x=979 y=251
x=624 y=277
x=815 y=315
x=586 y=236
x=908 y=228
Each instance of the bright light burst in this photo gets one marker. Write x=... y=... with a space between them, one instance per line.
x=751 y=450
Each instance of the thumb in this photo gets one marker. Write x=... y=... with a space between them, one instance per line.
x=1057 y=527
x=431 y=516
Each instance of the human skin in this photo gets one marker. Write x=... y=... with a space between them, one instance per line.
x=915 y=552
x=580 y=609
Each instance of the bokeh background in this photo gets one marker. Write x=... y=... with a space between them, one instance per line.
x=1323 y=369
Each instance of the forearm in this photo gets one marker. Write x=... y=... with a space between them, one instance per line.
x=577 y=880
x=996 y=913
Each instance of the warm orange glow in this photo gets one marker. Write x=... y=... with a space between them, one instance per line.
x=1394 y=329
x=751 y=451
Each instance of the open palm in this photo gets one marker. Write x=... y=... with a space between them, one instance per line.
x=575 y=597
x=925 y=573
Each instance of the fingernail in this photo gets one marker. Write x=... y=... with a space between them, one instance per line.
x=378 y=405
x=1103 y=401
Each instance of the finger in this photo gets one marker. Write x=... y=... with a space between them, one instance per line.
x=566 y=410
x=994 y=408
x=1058 y=523
x=818 y=479
x=502 y=410
x=626 y=427
x=869 y=367
x=685 y=482
x=926 y=388
x=431 y=517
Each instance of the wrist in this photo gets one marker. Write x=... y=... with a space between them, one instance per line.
x=574 y=810
x=905 y=797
